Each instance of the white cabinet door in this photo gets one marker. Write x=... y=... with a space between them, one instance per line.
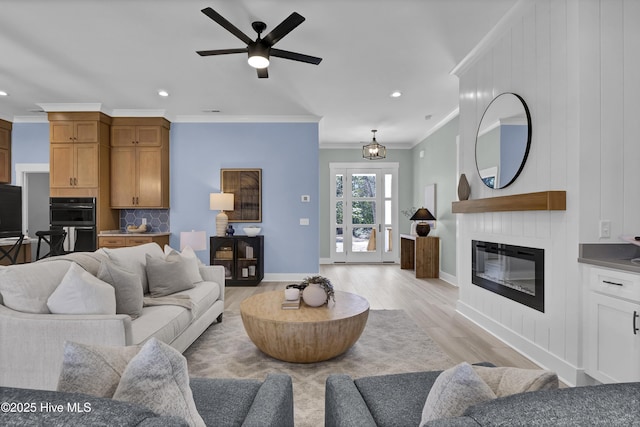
x=613 y=339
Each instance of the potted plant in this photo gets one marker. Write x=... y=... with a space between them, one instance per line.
x=317 y=291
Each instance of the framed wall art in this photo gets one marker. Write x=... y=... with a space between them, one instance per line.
x=246 y=186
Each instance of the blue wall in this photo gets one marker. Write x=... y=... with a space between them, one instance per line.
x=29 y=144
x=287 y=153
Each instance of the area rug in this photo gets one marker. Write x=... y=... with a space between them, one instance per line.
x=391 y=343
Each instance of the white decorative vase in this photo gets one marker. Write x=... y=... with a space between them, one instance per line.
x=413 y=228
x=314 y=295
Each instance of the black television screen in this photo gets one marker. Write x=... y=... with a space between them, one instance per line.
x=10 y=209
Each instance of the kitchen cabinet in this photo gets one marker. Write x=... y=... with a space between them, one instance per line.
x=79 y=161
x=75 y=153
x=140 y=163
x=613 y=326
x=5 y=152
x=122 y=241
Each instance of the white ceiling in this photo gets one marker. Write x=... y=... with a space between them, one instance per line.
x=119 y=53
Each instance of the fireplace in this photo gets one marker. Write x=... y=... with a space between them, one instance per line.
x=515 y=272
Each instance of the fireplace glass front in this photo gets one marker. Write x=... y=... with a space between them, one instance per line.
x=514 y=272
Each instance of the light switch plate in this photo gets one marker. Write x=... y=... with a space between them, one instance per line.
x=305 y=198
x=304 y=221
x=605 y=228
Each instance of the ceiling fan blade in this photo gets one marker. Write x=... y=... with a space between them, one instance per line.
x=284 y=28
x=295 y=56
x=221 y=51
x=226 y=24
x=263 y=73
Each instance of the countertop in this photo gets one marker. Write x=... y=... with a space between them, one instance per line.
x=611 y=255
x=114 y=233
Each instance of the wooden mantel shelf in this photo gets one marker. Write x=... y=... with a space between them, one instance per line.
x=540 y=201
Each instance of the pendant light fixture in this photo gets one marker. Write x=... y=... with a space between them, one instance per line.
x=373 y=150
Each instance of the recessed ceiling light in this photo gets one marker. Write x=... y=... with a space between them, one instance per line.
x=163 y=92
x=212 y=110
x=396 y=94
x=3 y=93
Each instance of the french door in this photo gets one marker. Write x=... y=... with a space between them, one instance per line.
x=363 y=212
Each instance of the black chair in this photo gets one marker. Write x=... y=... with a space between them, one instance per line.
x=14 y=250
x=55 y=239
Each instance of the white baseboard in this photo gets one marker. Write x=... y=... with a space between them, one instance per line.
x=449 y=278
x=325 y=261
x=286 y=277
x=569 y=374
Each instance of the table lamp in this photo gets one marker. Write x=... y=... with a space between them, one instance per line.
x=221 y=202
x=422 y=215
x=196 y=240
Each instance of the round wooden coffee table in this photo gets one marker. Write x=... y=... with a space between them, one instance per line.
x=308 y=334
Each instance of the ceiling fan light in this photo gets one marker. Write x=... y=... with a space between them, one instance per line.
x=258 y=61
x=258 y=55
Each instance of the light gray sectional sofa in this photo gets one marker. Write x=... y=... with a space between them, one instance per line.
x=398 y=400
x=32 y=339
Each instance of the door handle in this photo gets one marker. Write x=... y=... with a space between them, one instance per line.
x=635 y=327
x=75 y=181
x=70 y=181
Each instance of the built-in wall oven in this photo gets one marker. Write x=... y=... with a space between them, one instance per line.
x=77 y=216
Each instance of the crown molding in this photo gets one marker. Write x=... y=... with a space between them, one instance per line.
x=130 y=112
x=30 y=119
x=452 y=115
x=71 y=107
x=488 y=41
x=217 y=118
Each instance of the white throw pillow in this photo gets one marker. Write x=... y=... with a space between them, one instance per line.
x=134 y=259
x=167 y=276
x=93 y=369
x=26 y=287
x=192 y=262
x=157 y=377
x=453 y=392
x=82 y=293
x=505 y=381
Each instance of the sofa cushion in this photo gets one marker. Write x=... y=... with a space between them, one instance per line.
x=80 y=292
x=95 y=411
x=164 y=322
x=157 y=377
x=606 y=405
x=192 y=262
x=382 y=392
x=505 y=381
x=27 y=287
x=128 y=288
x=167 y=276
x=134 y=259
x=453 y=392
x=202 y=297
x=93 y=369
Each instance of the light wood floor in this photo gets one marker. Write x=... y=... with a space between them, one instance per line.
x=429 y=302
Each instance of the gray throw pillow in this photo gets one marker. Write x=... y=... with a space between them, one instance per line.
x=93 y=369
x=167 y=276
x=453 y=392
x=128 y=287
x=157 y=377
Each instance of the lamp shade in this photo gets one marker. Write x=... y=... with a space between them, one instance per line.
x=196 y=240
x=221 y=201
x=422 y=214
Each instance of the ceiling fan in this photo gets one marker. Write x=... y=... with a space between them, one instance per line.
x=262 y=48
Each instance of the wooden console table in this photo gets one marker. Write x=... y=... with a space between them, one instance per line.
x=421 y=254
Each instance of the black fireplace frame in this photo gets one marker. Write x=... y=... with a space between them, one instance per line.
x=532 y=254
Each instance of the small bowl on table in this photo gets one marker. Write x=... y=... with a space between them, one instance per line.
x=252 y=231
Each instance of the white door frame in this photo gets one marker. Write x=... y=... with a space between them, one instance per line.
x=22 y=171
x=388 y=167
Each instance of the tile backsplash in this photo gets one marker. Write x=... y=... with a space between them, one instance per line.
x=158 y=219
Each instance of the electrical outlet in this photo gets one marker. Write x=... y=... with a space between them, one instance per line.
x=144 y=221
x=605 y=228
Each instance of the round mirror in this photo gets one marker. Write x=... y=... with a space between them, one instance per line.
x=503 y=140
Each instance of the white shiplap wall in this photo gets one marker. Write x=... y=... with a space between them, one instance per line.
x=576 y=64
